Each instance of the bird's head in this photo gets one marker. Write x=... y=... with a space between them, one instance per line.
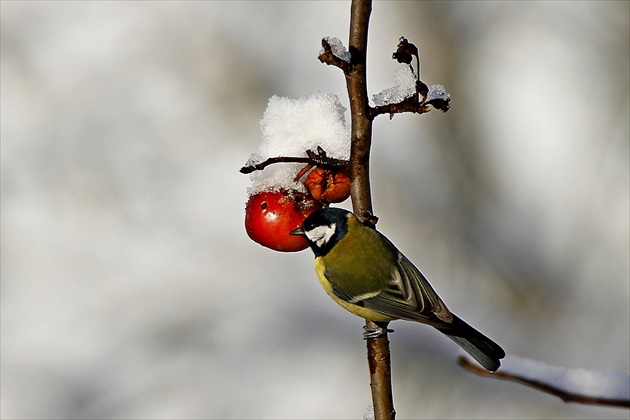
x=324 y=228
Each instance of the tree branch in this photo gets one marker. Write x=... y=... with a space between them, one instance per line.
x=410 y=104
x=361 y=131
x=548 y=386
x=361 y=140
x=362 y=116
x=318 y=158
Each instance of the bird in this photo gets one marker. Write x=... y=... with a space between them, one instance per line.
x=367 y=275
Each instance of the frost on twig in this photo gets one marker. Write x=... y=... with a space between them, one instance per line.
x=571 y=385
x=404 y=87
x=337 y=48
x=438 y=97
x=369 y=413
x=409 y=93
x=334 y=53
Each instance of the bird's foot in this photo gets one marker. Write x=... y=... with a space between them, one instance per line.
x=369 y=333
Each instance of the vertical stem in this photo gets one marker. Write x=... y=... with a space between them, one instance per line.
x=356 y=81
x=361 y=135
x=380 y=376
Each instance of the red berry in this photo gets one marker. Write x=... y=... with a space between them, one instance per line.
x=271 y=215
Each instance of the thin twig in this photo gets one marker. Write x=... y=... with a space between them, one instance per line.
x=543 y=386
x=248 y=169
x=328 y=57
x=319 y=158
x=410 y=104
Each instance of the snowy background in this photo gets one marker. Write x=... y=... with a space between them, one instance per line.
x=131 y=290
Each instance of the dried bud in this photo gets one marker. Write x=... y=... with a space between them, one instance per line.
x=405 y=51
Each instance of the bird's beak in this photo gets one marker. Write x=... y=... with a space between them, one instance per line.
x=298 y=232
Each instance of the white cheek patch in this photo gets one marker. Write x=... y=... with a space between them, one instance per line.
x=321 y=234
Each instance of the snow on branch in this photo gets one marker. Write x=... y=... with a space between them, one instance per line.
x=409 y=93
x=334 y=53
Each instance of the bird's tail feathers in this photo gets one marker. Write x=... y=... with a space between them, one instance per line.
x=481 y=348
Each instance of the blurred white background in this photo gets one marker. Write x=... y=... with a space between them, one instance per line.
x=131 y=290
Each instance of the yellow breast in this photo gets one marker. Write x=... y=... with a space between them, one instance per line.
x=350 y=307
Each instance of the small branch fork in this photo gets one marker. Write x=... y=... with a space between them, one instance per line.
x=417 y=103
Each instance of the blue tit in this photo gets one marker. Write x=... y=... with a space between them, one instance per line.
x=367 y=275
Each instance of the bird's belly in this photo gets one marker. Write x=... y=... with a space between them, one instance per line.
x=350 y=307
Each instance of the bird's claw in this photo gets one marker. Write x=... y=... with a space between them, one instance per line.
x=370 y=333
